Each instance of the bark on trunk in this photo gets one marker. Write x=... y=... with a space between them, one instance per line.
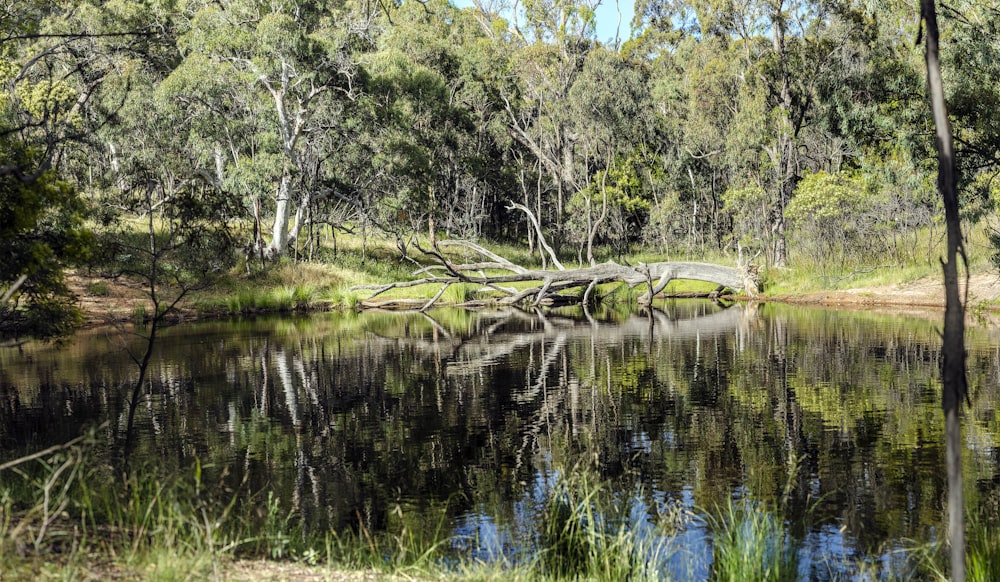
x=954 y=380
x=553 y=283
x=282 y=215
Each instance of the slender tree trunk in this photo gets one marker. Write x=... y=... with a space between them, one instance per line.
x=954 y=380
x=301 y=217
x=431 y=228
x=220 y=166
x=784 y=166
x=282 y=216
x=538 y=211
x=592 y=225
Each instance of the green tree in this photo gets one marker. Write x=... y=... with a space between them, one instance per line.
x=47 y=83
x=831 y=216
x=295 y=59
x=42 y=233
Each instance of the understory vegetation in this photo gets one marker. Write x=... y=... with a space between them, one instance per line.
x=329 y=281
x=179 y=143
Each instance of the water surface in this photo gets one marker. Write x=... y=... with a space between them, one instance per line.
x=465 y=420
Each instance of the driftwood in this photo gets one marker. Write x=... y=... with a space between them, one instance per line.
x=551 y=285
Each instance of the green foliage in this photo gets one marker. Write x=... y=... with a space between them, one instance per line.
x=748 y=207
x=835 y=217
x=42 y=233
x=585 y=537
x=700 y=128
x=750 y=543
x=47 y=100
x=280 y=299
x=983 y=552
x=827 y=200
x=617 y=196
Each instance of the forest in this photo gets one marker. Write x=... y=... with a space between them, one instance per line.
x=173 y=145
x=182 y=138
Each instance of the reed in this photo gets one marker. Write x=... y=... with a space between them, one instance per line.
x=982 y=554
x=266 y=300
x=586 y=537
x=751 y=544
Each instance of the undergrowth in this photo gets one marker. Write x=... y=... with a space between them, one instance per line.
x=64 y=513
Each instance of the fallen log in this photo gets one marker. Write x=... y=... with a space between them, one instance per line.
x=552 y=284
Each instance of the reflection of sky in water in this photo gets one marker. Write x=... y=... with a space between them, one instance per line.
x=675 y=553
x=685 y=411
x=478 y=536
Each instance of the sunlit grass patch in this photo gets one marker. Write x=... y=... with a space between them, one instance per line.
x=587 y=534
x=750 y=543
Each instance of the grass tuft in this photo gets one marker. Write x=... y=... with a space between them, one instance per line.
x=751 y=544
x=585 y=538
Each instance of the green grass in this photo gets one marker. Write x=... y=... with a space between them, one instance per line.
x=805 y=276
x=140 y=314
x=66 y=515
x=98 y=288
x=751 y=544
x=584 y=538
x=802 y=279
x=982 y=554
x=330 y=280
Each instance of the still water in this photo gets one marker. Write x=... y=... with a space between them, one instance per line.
x=465 y=420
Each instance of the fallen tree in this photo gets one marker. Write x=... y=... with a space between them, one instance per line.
x=496 y=274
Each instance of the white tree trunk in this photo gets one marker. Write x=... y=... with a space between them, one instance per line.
x=282 y=216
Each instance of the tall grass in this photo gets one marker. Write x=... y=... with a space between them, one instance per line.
x=64 y=514
x=751 y=544
x=982 y=560
x=585 y=538
x=982 y=554
x=273 y=299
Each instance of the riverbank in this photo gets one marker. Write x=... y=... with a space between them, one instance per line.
x=276 y=401
x=109 y=301
x=983 y=291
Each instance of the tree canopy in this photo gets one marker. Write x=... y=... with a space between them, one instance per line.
x=793 y=130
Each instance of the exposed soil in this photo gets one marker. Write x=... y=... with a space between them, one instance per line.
x=924 y=296
x=106 y=301
x=254 y=570
x=246 y=571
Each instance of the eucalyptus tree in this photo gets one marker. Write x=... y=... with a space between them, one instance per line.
x=608 y=102
x=289 y=60
x=540 y=55
x=970 y=49
x=56 y=59
x=425 y=119
x=767 y=88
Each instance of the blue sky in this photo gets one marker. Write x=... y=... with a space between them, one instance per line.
x=606 y=17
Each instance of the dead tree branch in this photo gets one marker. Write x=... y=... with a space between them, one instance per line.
x=498 y=274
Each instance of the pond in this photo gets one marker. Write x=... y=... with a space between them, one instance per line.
x=467 y=421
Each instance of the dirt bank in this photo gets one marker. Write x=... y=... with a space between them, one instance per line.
x=105 y=301
x=921 y=295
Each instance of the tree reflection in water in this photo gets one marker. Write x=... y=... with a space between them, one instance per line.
x=387 y=420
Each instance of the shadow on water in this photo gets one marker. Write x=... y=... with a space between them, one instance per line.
x=379 y=422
